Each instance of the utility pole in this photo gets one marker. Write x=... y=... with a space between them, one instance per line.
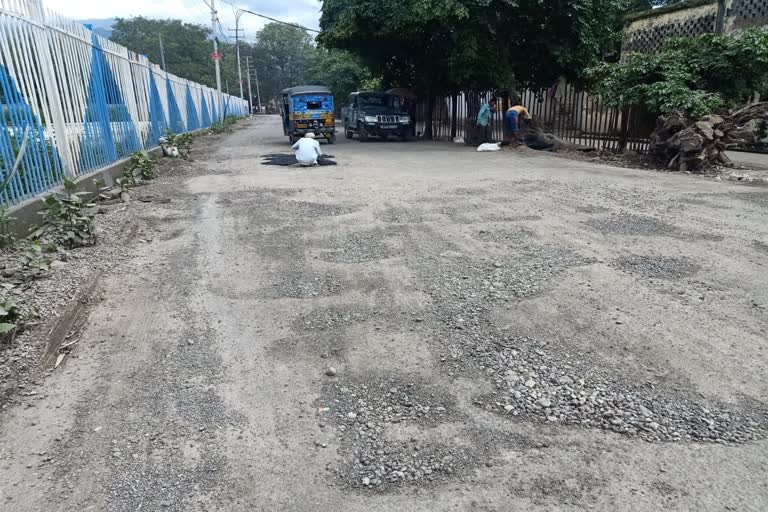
x=258 y=94
x=720 y=18
x=162 y=52
x=216 y=58
x=237 y=46
x=250 y=94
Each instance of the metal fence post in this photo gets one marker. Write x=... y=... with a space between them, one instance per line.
x=51 y=90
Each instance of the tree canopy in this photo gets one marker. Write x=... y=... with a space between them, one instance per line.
x=187 y=47
x=438 y=46
x=693 y=75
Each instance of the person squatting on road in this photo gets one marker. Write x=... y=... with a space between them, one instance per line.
x=484 y=120
x=512 y=120
x=307 y=150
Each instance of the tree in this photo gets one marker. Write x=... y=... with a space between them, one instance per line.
x=439 y=46
x=282 y=56
x=187 y=47
x=694 y=75
x=340 y=71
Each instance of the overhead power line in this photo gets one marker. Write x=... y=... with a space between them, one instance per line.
x=294 y=25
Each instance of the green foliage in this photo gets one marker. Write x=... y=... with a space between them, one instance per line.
x=10 y=315
x=187 y=47
x=695 y=75
x=440 y=46
x=342 y=73
x=141 y=166
x=180 y=140
x=68 y=218
x=7 y=232
x=33 y=260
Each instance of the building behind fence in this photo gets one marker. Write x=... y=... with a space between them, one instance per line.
x=87 y=101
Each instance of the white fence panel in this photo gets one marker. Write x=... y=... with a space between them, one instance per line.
x=88 y=101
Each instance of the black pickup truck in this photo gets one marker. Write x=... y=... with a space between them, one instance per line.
x=376 y=114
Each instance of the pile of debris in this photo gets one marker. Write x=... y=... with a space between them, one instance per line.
x=692 y=144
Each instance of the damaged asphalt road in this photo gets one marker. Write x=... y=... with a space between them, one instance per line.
x=419 y=328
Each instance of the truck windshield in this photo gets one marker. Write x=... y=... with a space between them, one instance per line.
x=379 y=100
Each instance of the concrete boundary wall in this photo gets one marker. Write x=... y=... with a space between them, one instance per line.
x=27 y=214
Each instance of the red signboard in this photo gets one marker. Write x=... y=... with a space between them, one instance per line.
x=216 y=56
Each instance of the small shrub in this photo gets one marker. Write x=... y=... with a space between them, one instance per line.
x=34 y=261
x=142 y=165
x=10 y=316
x=68 y=218
x=7 y=225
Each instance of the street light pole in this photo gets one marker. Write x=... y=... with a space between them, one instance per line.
x=250 y=94
x=239 y=13
x=258 y=94
x=162 y=51
x=216 y=60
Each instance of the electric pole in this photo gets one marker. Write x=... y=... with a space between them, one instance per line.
x=162 y=52
x=250 y=94
x=216 y=57
x=237 y=31
x=258 y=94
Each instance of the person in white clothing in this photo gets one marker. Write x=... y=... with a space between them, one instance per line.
x=307 y=150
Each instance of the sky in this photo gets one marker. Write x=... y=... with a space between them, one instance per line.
x=303 y=12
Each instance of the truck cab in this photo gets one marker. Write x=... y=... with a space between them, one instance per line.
x=376 y=114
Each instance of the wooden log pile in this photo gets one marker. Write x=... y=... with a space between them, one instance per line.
x=693 y=144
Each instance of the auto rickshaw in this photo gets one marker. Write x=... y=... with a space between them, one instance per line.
x=308 y=108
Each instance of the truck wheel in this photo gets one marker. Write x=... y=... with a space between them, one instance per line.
x=292 y=139
x=362 y=132
x=347 y=133
x=332 y=138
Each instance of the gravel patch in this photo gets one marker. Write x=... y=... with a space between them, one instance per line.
x=630 y=225
x=363 y=410
x=330 y=318
x=271 y=203
x=306 y=285
x=657 y=267
x=535 y=380
x=357 y=247
x=402 y=216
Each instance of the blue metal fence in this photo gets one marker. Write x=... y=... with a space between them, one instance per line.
x=87 y=101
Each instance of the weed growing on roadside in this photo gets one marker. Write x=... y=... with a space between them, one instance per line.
x=218 y=129
x=7 y=233
x=142 y=166
x=33 y=260
x=68 y=218
x=10 y=315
